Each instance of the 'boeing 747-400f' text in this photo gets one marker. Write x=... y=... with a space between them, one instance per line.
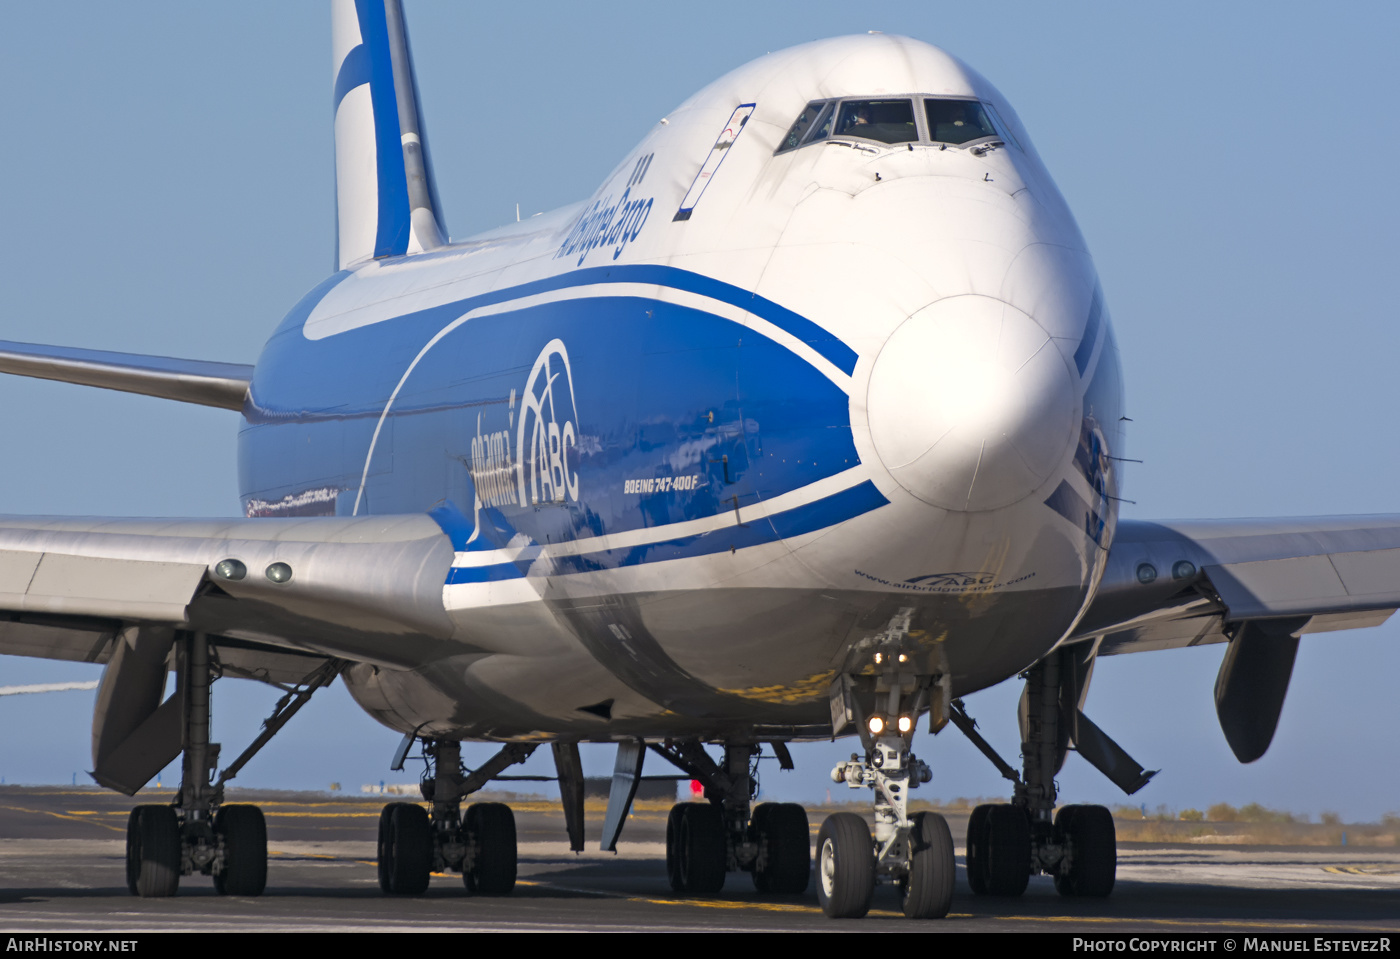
x=805 y=424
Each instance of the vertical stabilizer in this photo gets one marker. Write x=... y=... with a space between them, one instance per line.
x=386 y=199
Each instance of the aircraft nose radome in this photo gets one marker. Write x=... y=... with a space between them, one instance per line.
x=971 y=406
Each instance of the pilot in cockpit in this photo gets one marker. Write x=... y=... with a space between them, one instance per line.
x=858 y=117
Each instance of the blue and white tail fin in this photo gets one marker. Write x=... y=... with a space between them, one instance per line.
x=386 y=199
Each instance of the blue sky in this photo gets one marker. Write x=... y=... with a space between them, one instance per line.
x=168 y=189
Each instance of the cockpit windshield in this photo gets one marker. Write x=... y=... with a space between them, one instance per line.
x=895 y=120
x=888 y=121
x=957 y=121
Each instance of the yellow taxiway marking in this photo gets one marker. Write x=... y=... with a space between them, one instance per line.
x=1387 y=870
x=1088 y=920
x=60 y=815
x=302 y=855
x=761 y=906
x=274 y=814
x=890 y=914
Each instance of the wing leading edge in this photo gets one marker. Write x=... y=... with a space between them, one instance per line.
x=367 y=589
x=223 y=385
x=1185 y=583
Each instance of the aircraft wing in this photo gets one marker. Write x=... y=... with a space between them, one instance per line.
x=367 y=589
x=223 y=385
x=1182 y=583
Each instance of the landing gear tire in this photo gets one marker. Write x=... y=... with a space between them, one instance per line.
x=759 y=832
x=781 y=831
x=695 y=848
x=845 y=866
x=1092 y=839
x=491 y=830
x=998 y=850
x=244 y=834
x=153 y=852
x=977 y=850
x=405 y=849
x=927 y=891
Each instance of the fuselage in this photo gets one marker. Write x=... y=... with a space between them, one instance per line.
x=696 y=436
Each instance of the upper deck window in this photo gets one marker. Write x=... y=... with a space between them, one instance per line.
x=957 y=121
x=888 y=121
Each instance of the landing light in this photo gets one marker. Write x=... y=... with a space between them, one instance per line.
x=230 y=569
x=279 y=573
x=877 y=725
x=906 y=723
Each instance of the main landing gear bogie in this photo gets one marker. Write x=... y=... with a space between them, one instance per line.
x=199 y=832
x=160 y=847
x=480 y=843
x=482 y=849
x=699 y=853
x=1079 y=852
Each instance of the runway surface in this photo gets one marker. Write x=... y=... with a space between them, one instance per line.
x=62 y=869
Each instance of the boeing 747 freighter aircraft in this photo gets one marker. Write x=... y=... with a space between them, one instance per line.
x=807 y=423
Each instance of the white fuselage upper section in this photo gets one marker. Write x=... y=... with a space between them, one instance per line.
x=984 y=397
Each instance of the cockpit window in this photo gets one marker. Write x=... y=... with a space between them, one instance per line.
x=803 y=123
x=888 y=121
x=1003 y=130
x=949 y=121
x=957 y=121
x=822 y=130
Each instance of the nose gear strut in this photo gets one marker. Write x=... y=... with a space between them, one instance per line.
x=892 y=672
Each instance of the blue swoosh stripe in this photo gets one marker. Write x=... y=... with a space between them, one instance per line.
x=354 y=72
x=839 y=354
x=808 y=518
x=824 y=343
x=1072 y=507
x=1091 y=332
x=391 y=239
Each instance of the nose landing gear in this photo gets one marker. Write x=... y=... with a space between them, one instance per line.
x=915 y=853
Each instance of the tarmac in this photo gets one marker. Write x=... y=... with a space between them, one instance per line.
x=62 y=870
